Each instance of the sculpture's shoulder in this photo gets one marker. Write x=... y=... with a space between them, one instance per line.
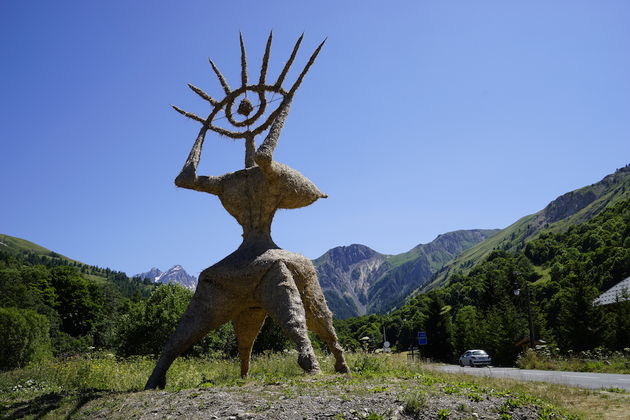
x=278 y=254
x=237 y=186
x=242 y=175
x=296 y=190
x=293 y=188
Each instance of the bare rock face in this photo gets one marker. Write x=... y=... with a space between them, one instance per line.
x=567 y=205
x=346 y=274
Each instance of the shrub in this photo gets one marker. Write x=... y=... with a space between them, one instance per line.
x=366 y=364
x=23 y=337
x=528 y=360
x=415 y=403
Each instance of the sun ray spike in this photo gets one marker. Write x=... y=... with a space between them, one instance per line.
x=265 y=62
x=203 y=94
x=226 y=87
x=311 y=60
x=288 y=64
x=189 y=115
x=243 y=61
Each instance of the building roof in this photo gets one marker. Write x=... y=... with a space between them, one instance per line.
x=618 y=293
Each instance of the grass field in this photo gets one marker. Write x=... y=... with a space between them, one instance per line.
x=59 y=388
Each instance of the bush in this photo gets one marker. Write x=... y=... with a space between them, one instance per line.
x=366 y=364
x=415 y=403
x=148 y=324
x=23 y=337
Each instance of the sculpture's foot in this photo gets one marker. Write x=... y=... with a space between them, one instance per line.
x=341 y=367
x=156 y=382
x=308 y=362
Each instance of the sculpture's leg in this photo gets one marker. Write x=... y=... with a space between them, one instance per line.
x=209 y=308
x=247 y=325
x=279 y=296
x=319 y=320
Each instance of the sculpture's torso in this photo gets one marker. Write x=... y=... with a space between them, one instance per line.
x=253 y=195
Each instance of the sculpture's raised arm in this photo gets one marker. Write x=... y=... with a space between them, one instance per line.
x=188 y=177
x=264 y=154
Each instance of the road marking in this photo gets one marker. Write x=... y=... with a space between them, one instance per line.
x=625 y=380
x=581 y=376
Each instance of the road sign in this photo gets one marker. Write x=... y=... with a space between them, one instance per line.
x=422 y=338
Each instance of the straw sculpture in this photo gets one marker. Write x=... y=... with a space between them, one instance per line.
x=258 y=279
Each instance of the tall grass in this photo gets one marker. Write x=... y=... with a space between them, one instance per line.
x=105 y=372
x=587 y=361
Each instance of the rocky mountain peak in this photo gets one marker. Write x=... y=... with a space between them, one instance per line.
x=345 y=256
x=176 y=274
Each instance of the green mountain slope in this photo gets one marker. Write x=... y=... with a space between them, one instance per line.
x=33 y=254
x=567 y=210
x=22 y=246
x=358 y=280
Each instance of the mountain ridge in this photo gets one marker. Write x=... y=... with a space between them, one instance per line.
x=358 y=280
x=568 y=209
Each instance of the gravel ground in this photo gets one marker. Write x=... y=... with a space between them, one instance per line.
x=297 y=401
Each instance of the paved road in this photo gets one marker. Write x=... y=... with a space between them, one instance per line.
x=579 y=379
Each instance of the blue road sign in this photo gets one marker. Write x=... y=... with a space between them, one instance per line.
x=422 y=338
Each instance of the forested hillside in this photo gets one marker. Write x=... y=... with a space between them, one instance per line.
x=563 y=272
x=52 y=305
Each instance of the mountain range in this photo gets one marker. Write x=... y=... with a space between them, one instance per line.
x=174 y=275
x=357 y=280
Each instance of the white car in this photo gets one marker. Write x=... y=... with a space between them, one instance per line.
x=475 y=358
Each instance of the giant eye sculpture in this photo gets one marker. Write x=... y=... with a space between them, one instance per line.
x=259 y=278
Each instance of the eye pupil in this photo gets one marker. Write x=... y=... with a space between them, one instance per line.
x=245 y=107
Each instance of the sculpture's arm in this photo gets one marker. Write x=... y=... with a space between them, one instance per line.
x=188 y=178
x=264 y=154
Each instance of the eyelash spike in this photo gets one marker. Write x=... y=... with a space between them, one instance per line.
x=203 y=94
x=265 y=62
x=189 y=115
x=243 y=61
x=311 y=60
x=289 y=62
x=226 y=87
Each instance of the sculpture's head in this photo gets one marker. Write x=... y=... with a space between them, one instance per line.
x=237 y=109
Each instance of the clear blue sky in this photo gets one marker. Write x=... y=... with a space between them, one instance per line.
x=418 y=118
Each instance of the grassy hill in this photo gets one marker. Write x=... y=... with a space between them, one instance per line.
x=567 y=210
x=30 y=253
x=22 y=246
